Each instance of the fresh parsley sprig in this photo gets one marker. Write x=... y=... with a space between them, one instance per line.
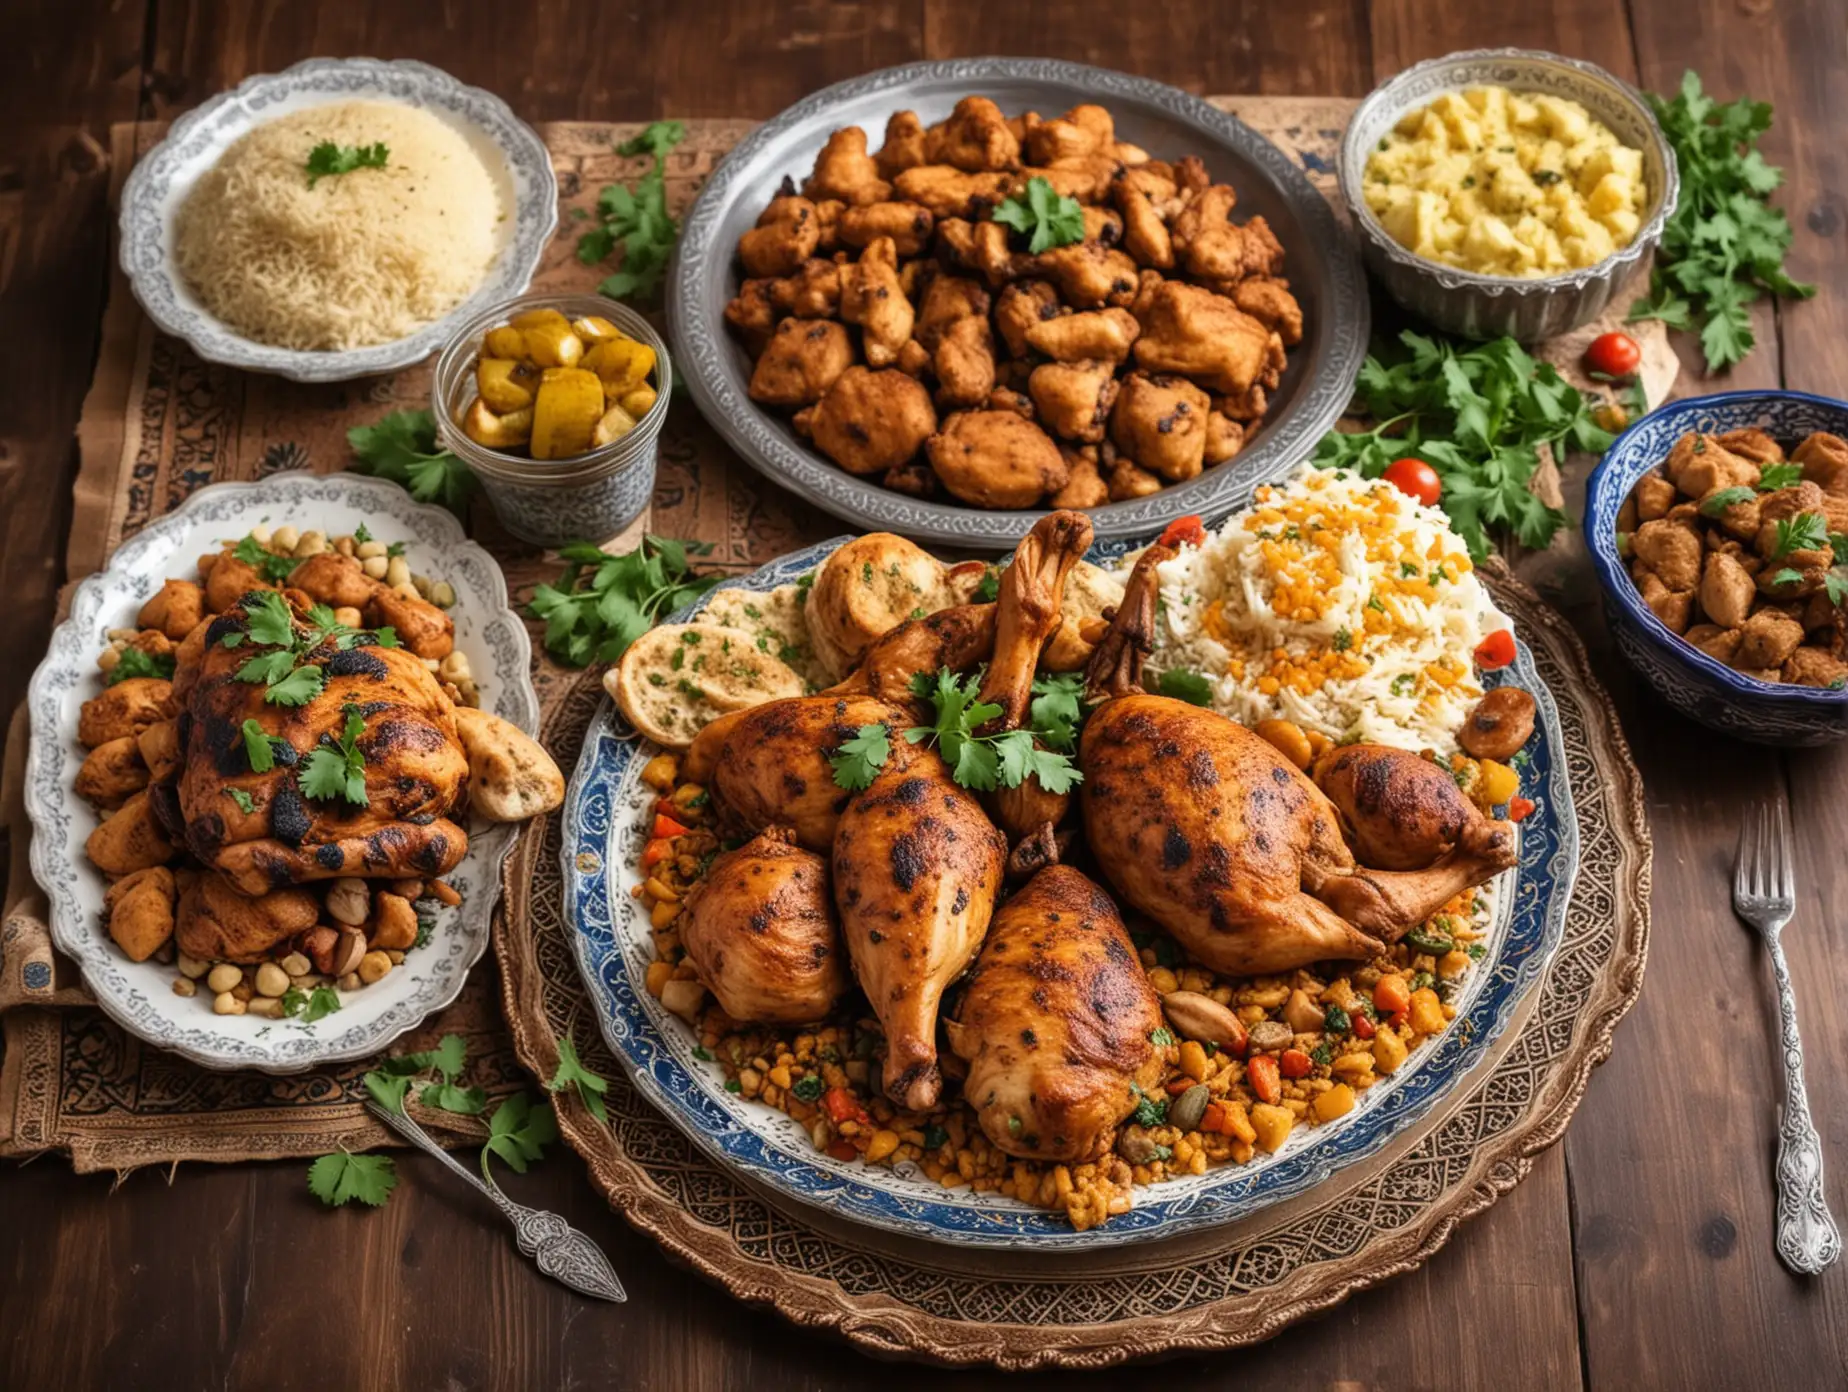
x=1039 y=210
x=1724 y=244
x=402 y=449
x=518 y=1132
x=858 y=761
x=572 y=1072
x=136 y=663
x=328 y=159
x=636 y=218
x=342 y=1177
x=1478 y=415
x=336 y=768
x=602 y=603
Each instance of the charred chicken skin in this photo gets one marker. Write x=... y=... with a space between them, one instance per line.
x=1056 y=1022
x=415 y=768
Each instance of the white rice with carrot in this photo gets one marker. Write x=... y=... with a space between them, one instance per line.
x=1338 y=603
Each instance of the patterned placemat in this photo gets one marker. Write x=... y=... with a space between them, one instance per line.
x=1231 y=1286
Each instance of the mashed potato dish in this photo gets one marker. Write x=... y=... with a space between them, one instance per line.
x=1507 y=184
x=1334 y=602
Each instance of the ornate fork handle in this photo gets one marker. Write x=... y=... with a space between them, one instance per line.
x=557 y=1248
x=1807 y=1238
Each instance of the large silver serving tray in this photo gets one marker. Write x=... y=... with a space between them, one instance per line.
x=1322 y=266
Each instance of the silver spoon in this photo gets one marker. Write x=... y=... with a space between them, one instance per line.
x=557 y=1248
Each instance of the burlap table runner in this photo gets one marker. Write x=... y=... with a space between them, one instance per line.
x=159 y=423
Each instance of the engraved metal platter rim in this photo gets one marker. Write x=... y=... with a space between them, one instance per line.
x=767 y=444
x=130 y=993
x=647 y=1043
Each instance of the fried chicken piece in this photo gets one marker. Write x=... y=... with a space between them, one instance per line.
x=904 y=145
x=1103 y=226
x=786 y=235
x=751 y=315
x=845 y=171
x=994 y=459
x=1726 y=590
x=1208 y=244
x=1073 y=399
x=1084 y=485
x=1089 y=276
x=828 y=213
x=975 y=137
x=1225 y=437
x=127 y=708
x=140 y=910
x=113 y=772
x=1824 y=458
x=980 y=246
x=814 y=292
x=1145 y=235
x=1021 y=307
x=870 y=422
x=1270 y=302
x=1753 y=444
x=1810 y=666
x=802 y=361
x=965 y=362
x=1716 y=642
x=949 y=192
x=1086 y=180
x=175 y=609
x=1671 y=549
x=1198 y=334
x=134 y=838
x=1104 y=335
x=1672 y=607
x=907 y=224
x=1785 y=505
x=1083 y=131
x=1127 y=480
x=1161 y=423
x=1767 y=639
x=213 y=922
x=1654 y=496
x=1247 y=408
x=1155 y=181
x=1190 y=177
x=947 y=299
x=872 y=298
x=913 y=359
x=1007 y=399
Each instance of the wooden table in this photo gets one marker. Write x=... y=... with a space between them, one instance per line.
x=1637 y=1255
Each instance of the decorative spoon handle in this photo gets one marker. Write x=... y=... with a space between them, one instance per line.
x=554 y=1246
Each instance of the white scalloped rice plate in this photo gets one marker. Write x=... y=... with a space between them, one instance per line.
x=511 y=150
x=606 y=819
x=139 y=996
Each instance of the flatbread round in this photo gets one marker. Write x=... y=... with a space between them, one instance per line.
x=675 y=680
x=774 y=620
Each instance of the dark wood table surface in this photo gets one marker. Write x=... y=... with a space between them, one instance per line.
x=1637 y=1254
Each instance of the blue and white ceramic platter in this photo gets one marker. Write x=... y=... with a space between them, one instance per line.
x=139 y=995
x=607 y=813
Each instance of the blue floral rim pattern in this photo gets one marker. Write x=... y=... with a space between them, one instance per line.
x=602 y=833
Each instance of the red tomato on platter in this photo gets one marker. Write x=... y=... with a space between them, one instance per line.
x=1495 y=651
x=1184 y=531
x=1613 y=354
x=1412 y=476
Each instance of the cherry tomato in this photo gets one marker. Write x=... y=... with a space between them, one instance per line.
x=666 y=826
x=1613 y=354
x=1363 y=1027
x=1184 y=531
x=841 y=1105
x=1262 y=1074
x=1295 y=1064
x=1415 y=478
x=1495 y=651
x=1519 y=808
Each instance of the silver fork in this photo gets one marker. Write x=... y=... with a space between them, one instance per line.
x=1765 y=896
x=555 y=1247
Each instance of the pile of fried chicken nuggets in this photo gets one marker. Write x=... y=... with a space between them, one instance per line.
x=919 y=341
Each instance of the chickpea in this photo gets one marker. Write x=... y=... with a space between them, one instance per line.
x=374 y=566
x=310 y=544
x=268 y=1007
x=374 y=967
x=282 y=540
x=107 y=659
x=272 y=980
x=184 y=986
x=397 y=572
x=349 y=616
x=261 y=534
x=443 y=594
x=223 y=977
x=224 y=1003
x=454 y=666
x=368 y=549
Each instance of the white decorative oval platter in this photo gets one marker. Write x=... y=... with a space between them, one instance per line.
x=139 y=996
x=607 y=818
x=511 y=150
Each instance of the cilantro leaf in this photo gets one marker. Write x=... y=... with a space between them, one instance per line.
x=636 y=219
x=387 y=1089
x=977 y=761
x=449 y=1097
x=1040 y=211
x=257 y=748
x=265 y=562
x=591 y=1086
x=136 y=663
x=1782 y=475
x=245 y=802
x=269 y=621
x=518 y=1132
x=337 y=768
x=601 y=603
x=322 y=1002
x=328 y=159
x=860 y=758
x=1717 y=502
x=402 y=449
x=1057 y=710
x=298 y=688
x=1807 y=531
x=1183 y=685
x=340 y=1178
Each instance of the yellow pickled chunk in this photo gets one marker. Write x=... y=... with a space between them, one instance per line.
x=622 y=363
x=498 y=432
x=553 y=345
x=505 y=384
x=566 y=412
x=539 y=319
x=594 y=328
x=639 y=402
x=504 y=342
x=615 y=424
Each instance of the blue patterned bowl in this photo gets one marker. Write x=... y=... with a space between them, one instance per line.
x=1701 y=687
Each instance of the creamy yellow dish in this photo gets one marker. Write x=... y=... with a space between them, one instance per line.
x=1505 y=183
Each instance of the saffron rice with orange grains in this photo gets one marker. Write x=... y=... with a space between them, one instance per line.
x=1304 y=611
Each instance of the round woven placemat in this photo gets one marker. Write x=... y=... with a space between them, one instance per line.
x=1231 y=1286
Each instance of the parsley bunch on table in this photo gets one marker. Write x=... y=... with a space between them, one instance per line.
x=1052 y=220
x=636 y=219
x=402 y=449
x=602 y=603
x=1477 y=414
x=1724 y=245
